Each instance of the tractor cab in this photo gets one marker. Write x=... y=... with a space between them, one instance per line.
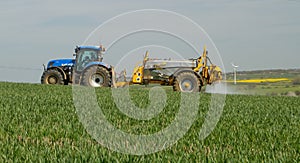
x=87 y=54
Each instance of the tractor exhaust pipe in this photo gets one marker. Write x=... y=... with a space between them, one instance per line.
x=44 y=67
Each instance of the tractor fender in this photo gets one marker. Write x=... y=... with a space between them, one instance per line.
x=92 y=64
x=97 y=64
x=60 y=70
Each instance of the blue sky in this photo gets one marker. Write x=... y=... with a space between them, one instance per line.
x=257 y=34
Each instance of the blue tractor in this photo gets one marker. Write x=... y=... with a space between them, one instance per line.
x=86 y=69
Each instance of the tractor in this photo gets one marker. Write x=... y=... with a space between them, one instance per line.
x=88 y=69
x=79 y=70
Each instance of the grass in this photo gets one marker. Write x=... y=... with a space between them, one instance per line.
x=39 y=123
x=279 y=88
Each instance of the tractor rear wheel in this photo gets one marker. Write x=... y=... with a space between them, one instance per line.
x=187 y=82
x=96 y=77
x=52 y=77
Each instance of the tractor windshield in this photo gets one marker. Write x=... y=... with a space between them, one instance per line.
x=85 y=56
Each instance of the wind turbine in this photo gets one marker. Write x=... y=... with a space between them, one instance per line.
x=234 y=71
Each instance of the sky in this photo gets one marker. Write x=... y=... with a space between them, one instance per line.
x=256 y=34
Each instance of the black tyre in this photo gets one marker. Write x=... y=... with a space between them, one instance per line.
x=96 y=77
x=66 y=82
x=186 y=82
x=146 y=82
x=52 y=77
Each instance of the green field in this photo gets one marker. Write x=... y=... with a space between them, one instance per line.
x=270 y=89
x=282 y=88
x=39 y=123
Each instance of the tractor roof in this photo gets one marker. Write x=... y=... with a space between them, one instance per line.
x=90 y=47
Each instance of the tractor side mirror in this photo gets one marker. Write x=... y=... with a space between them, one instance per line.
x=102 y=48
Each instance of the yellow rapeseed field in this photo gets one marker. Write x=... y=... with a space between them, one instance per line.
x=269 y=80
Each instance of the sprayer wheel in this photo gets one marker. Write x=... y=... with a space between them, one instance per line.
x=186 y=82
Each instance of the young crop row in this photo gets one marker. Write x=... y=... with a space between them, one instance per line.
x=39 y=123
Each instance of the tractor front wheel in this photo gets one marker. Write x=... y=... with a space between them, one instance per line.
x=96 y=77
x=187 y=82
x=52 y=77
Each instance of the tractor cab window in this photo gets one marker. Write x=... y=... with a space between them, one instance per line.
x=86 y=56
